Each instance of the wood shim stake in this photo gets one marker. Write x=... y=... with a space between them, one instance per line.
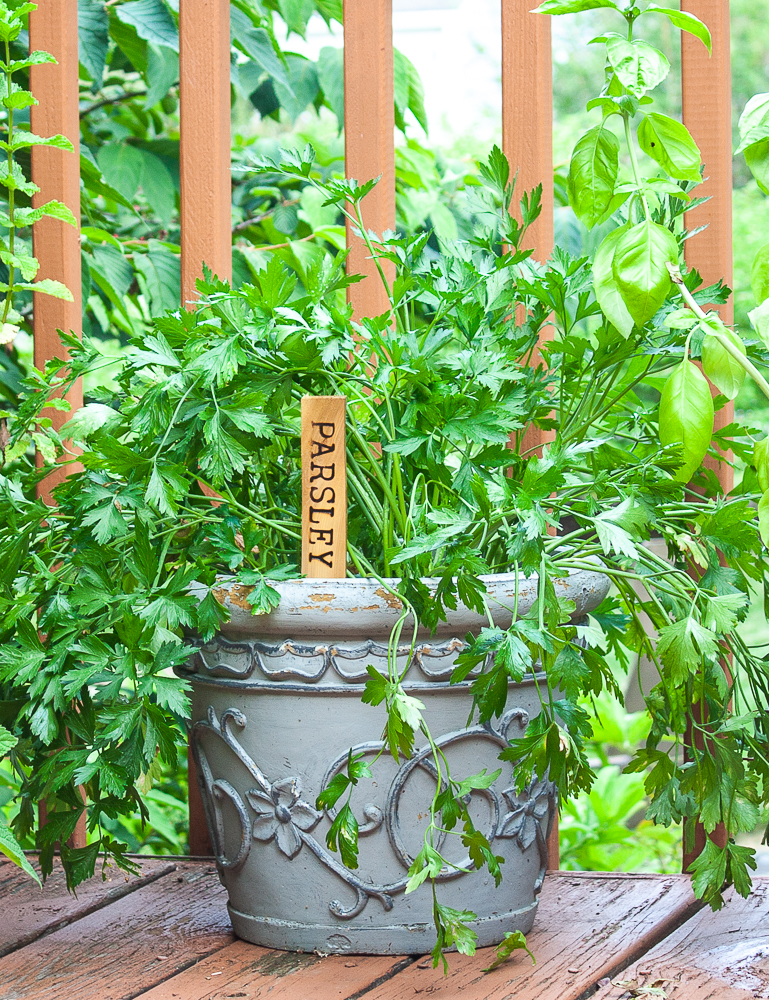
x=324 y=487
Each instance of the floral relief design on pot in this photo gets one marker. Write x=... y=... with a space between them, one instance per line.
x=282 y=815
x=279 y=814
x=529 y=809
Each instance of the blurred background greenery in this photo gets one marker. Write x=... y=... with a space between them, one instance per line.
x=287 y=90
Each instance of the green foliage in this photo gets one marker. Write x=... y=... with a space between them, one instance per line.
x=16 y=245
x=759 y=275
x=164 y=792
x=605 y=829
x=754 y=144
x=640 y=269
x=9 y=845
x=593 y=175
x=97 y=605
x=637 y=65
x=607 y=292
x=16 y=255
x=670 y=144
x=512 y=941
x=100 y=595
x=723 y=370
x=686 y=416
x=685 y=21
x=453 y=932
x=637 y=259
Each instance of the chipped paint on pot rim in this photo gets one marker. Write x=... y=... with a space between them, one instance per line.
x=361 y=607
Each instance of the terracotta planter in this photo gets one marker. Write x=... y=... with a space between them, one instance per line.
x=276 y=707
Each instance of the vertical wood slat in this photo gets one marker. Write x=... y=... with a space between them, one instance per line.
x=369 y=124
x=527 y=113
x=204 y=148
x=527 y=142
x=707 y=113
x=53 y=28
x=205 y=199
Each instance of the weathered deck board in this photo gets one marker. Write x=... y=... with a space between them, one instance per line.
x=125 y=949
x=714 y=956
x=243 y=970
x=166 y=936
x=588 y=927
x=30 y=912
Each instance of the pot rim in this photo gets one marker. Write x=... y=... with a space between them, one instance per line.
x=365 y=606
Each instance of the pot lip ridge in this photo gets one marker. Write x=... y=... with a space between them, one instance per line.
x=373 y=582
x=358 y=605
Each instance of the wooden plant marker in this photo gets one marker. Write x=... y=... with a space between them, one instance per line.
x=324 y=487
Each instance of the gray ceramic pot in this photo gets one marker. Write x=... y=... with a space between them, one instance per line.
x=276 y=707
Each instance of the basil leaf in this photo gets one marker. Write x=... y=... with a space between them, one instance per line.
x=640 y=268
x=763 y=518
x=757 y=159
x=571 y=6
x=605 y=285
x=593 y=175
x=671 y=145
x=759 y=318
x=754 y=122
x=759 y=275
x=686 y=416
x=685 y=21
x=761 y=462
x=724 y=371
x=638 y=65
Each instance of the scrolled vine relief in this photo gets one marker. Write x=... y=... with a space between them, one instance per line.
x=278 y=812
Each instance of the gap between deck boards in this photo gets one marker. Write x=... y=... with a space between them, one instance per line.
x=620 y=918
x=642 y=950
x=78 y=912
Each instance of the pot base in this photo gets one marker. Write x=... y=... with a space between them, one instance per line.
x=399 y=939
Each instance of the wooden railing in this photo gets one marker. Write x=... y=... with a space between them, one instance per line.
x=527 y=119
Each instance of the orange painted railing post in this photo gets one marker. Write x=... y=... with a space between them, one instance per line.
x=527 y=139
x=206 y=198
x=369 y=122
x=707 y=113
x=527 y=142
x=204 y=129
x=527 y=112
x=53 y=28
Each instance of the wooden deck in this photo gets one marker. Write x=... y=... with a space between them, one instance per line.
x=165 y=935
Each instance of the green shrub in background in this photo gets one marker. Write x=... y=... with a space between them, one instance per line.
x=606 y=829
x=166 y=829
